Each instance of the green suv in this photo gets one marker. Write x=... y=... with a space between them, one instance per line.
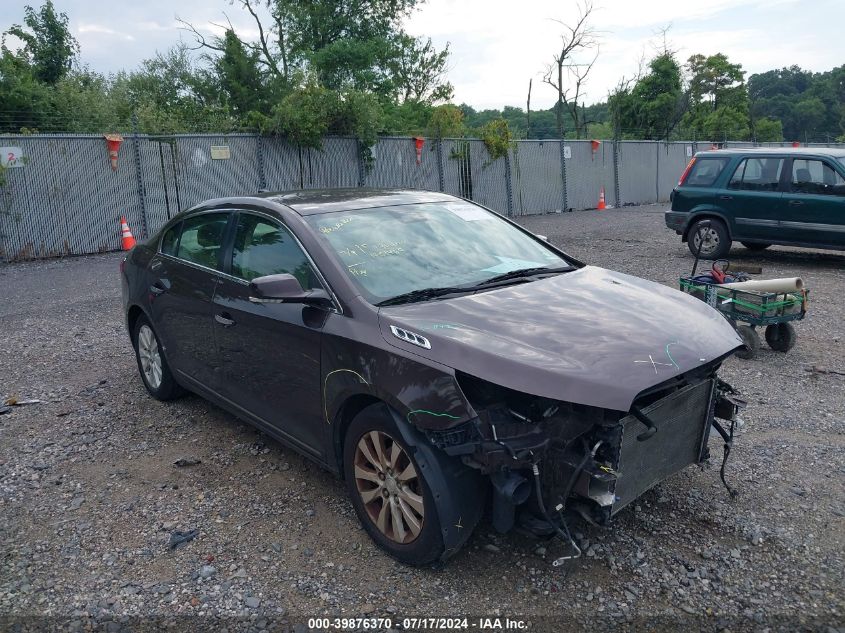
x=760 y=197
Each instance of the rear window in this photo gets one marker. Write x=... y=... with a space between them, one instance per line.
x=705 y=171
x=757 y=174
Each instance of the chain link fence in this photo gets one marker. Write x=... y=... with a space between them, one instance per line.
x=63 y=198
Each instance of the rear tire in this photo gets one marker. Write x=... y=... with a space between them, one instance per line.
x=780 y=337
x=716 y=242
x=755 y=246
x=389 y=490
x=152 y=365
x=751 y=339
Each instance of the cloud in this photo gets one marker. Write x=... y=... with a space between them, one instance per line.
x=99 y=29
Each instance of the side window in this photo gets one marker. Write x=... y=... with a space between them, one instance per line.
x=171 y=239
x=262 y=247
x=757 y=174
x=705 y=171
x=202 y=239
x=815 y=176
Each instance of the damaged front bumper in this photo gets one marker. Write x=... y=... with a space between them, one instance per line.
x=546 y=457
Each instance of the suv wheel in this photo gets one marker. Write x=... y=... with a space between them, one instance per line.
x=389 y=491
x=709 y=242
x=155 y=372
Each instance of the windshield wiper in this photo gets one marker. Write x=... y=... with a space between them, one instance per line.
x=524 y=272
x=421 y=295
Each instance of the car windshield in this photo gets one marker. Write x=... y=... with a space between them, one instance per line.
x=391 y=251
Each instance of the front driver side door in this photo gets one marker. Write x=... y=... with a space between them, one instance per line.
x=269 y=353
x=815 y=204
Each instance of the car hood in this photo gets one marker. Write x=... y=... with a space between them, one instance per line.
x=592 y=336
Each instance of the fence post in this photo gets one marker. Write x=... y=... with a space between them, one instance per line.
x=441 y=178
x=563 y=201
x=657 y=171
x=259 y=157
x=140 y=178
x=362 y=172
x=616 y=150
x=509 y=184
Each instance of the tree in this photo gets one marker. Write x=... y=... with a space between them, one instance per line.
x=718 y=98
x=655 y=104
x=767 y=130
x=808 y=104
x=47 y=42
x=575 y=40
x=418 y=70
x=447 y=121
x=24 y=100
x=239 y=75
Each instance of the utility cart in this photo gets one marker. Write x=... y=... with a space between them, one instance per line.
x=749 y=310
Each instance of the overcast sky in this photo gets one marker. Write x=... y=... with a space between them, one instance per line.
x=497 y=45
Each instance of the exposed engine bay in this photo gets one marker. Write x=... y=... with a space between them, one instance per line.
x=548 y=459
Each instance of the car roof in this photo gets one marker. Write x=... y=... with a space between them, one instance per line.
x=316 y=201
x=788 y=151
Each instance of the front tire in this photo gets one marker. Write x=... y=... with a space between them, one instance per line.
x=389 y=491
x=713 y=242
x=152 y=365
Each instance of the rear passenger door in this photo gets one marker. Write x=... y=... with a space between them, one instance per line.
x=814 y=210
x=754 y=199
x=183 y=275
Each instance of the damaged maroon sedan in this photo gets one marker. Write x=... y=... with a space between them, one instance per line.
x=438 y=356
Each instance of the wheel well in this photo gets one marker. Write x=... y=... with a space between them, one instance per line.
x=132 y=318
x=704 y=216
x=350 y=408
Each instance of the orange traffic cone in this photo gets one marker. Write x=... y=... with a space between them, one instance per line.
x=126 y=234
x=602 y=206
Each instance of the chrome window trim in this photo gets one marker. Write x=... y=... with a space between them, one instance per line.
x=336 y=307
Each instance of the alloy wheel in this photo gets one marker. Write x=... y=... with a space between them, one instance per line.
x=707 y=241
x=150 y=356
x=389 y=487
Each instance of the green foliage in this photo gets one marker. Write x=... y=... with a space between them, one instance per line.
x=768 y=130
x=48 y=45
x=303 y=116
x=24 y=100
x=447 y=121
x=239 y=76
x=718 y=98
x=497 y=138
x=417 y=70
x=808 y=104
x=408 y=117
x=308 y=114
x=654 y=106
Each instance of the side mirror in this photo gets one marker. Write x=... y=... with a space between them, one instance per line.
x=285 y=288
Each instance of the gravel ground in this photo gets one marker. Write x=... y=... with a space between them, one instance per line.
x=90 y=495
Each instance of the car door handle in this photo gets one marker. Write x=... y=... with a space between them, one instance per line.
x=726 y=197
x=158 y=288
x=225 y=319
x=796 y=203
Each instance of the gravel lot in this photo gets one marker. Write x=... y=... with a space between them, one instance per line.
x=90 y=494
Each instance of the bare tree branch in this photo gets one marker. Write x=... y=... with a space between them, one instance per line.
x=198 y=37
x=269 y=61
x=579 y=37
